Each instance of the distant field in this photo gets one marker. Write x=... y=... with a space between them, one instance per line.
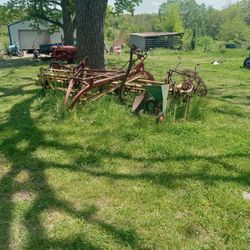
x=102 y=178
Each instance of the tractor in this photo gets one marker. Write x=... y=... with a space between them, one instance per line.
x=60 y=54
x=14 y=50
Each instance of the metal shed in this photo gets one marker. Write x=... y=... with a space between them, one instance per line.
x=22 y=32
x=148 y=40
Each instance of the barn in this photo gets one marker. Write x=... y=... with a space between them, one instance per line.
x=149 y=40
x=22 y=32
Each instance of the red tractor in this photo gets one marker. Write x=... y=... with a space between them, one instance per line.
x=61 y=54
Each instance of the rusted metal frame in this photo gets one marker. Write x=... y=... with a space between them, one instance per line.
x=105 y=70
x=100 y=82
x=79 y=94
x=62 y=89
x=78 y=71
x=57 y=78
x=132 y=79
x=53 y=76
x=83 y=64
x=140 y=67
x=137 y=70
x=124 y=79
x=111 y=89
x=195 y=76
x=92 y=85
x=71 y=70
x=96 y=77
x=134 y=89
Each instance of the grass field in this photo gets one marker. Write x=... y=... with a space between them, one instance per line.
x=102 y=178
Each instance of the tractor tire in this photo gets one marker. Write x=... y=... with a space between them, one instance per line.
x=55 y=64
x=246 y=63
x=20 y=54
x=161 y=117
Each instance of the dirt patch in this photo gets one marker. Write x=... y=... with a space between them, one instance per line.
x=22 y=196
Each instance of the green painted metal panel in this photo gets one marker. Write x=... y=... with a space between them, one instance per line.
x=160 y=94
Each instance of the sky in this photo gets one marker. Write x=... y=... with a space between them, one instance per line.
x=152 y=6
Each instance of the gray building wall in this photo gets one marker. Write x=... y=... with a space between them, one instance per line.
x=138 y=41
x=24 y=27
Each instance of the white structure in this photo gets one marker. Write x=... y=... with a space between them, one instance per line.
x=23 y=33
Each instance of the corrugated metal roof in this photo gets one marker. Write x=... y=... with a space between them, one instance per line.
x=152 y=34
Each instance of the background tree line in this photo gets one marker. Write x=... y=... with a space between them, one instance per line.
x=201 y=24
x=208 y=24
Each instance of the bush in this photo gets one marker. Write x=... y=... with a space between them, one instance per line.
x=205 y=43
x=187 y=40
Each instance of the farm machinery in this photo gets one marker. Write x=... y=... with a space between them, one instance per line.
x=60 y=54
x=134 y=86
x=246 y=63
x=14 y=50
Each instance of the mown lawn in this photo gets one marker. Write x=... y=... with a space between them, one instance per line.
x=102 y=178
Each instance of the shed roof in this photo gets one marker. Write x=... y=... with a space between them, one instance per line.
x=14 y=23
x=153 y=34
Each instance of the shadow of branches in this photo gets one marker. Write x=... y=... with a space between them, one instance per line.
x=23 y=159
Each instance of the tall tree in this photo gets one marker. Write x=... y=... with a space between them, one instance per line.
x=90 y=17
x=245 y=9
x=171 y=17
x=234 y=27
x=7 y=16
x=213 y=21
x=193 y=14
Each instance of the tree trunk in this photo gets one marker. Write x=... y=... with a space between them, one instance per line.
x=68 y=23
x=90 y=16
x=68 y=34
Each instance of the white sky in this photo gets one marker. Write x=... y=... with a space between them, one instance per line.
x=150 y=6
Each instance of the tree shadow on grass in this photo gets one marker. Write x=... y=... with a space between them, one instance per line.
x=18 y=62
x=216 y=94
x=44 y=197
x=17 y=90
x=165 y=178
x=228 y=110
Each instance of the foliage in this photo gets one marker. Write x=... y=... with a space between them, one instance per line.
x=171 y=18
x=234 y=27
x=126 y=5
x=119 y=26
x=187 y=39
x=231 y=24
x=54 y=14
x=199 y=18
x=205 y=43
x=213 y=20
x=40 y=10
x=7 y=16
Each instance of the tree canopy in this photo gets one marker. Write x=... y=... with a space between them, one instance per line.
x=170 y=15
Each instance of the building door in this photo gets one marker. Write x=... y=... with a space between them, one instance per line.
x=32 y=39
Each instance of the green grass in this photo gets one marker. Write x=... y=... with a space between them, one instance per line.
x=101 y=178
